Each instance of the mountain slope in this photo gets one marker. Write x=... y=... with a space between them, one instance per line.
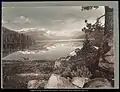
x=13 y=41
x=38 y=35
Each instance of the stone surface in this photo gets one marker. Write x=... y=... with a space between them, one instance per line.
x=98 y=83
x=79 y=81
x=56 y=82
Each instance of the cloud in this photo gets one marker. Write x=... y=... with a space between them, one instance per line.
x=21 y=20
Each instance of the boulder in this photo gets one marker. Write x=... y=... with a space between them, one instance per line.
x=58 y=82
x=79 y=81
x=98 y=83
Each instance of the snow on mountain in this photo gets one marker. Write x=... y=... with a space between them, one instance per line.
x=46 y=34
x=37 y=33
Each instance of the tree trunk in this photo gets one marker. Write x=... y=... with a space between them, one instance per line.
x=108 y=31
x=108 y=20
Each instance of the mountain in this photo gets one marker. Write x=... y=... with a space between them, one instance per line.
x=45 y=34
x=36 y=33
x=13 y=41
x=8 y=31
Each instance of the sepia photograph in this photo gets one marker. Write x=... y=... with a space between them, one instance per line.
x=47 y=45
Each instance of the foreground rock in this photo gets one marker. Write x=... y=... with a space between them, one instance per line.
x=94 y=61
x=83 y=68
x=98 y=83
x=56 y=82
x=79 y=81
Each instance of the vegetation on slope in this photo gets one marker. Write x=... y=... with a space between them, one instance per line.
x=14 y=41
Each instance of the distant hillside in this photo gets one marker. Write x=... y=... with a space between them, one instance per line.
x=38 y=35
x=13 y=41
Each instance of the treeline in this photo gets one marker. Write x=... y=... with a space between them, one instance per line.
x=13 y=41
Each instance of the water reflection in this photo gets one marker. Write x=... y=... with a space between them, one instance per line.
x=45 y=51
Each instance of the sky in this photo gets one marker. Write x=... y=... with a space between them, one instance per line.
x=56 y=18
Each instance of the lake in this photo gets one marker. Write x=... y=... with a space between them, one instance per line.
x=46 y=50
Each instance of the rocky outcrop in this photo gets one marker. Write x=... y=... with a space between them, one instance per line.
x=94 y=61
x=81 y=64
x=72 y=66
